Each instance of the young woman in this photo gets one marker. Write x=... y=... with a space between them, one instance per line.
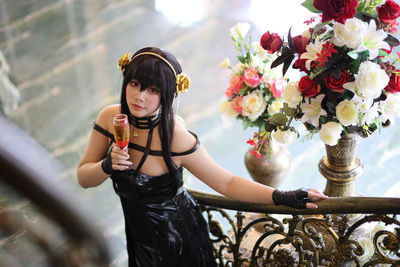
x=164 y=226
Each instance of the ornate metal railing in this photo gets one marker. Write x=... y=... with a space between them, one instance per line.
x=345 y=231
x=53 y=229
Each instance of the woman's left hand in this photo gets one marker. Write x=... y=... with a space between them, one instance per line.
x=299 y=199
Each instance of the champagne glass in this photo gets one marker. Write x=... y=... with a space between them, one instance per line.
x=121 y=130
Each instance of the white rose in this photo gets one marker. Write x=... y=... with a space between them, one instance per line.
x=253 y=105
x=261 y=52
x=256 y=62
x=350 y=34
x=239 y=67
x=240 y=29
x=275 y=107
x=390 y=107
x=227 y=110
x=225 y=64
x=330 y=133
x=292 y=95
x=346 y=112
x=284 y=137
x=270 y=74
x=369 y=82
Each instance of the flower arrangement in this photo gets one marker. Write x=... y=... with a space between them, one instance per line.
x=254 y=94
x=349 y=81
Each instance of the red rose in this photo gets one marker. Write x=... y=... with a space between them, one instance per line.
x=338 y=10
x=335 y=84
x=300 y=64
x=388 y=12
x=308 y=87
x=300 y=43
x=394 y=83
x=271 y=42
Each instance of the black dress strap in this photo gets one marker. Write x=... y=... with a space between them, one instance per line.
x=144 y=149
x=196 y=146
x=103 y=131
x=147 y=151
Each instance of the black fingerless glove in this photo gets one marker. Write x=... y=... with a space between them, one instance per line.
x=106 y=164
x=296 y=198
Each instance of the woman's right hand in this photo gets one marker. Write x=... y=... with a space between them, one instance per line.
x=300 y=199
x=116 y=160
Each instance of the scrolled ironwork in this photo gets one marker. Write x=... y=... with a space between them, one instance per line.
x=346 y=231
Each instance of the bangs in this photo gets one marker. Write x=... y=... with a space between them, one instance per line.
x=149 y=72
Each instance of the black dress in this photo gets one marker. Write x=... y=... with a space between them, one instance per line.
x=163 y=223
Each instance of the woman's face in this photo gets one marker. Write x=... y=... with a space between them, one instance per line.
x=142 y=103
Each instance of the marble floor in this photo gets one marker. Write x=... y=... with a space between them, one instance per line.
x=63 y=56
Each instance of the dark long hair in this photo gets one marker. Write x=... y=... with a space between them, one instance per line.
x=150 y=70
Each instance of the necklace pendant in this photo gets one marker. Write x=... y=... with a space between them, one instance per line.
x=135 y=134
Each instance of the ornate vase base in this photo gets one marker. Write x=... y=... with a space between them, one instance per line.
x=341 y=167
x=340 y=179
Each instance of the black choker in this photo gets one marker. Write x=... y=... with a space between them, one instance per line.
x=145 y=122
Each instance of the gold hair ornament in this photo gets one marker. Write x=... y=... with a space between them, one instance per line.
x=182 y=83
x=182 y=80
x=124 y=61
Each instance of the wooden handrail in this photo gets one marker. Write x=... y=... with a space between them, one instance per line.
x=332 y=205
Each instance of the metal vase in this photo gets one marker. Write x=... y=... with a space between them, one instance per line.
x=270 y=170
x=341 y=167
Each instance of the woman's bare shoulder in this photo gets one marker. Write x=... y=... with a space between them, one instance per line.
x=182 y=139
x=104 y=119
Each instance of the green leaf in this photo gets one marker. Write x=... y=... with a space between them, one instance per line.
x=278 y=119
x=269 y=127
x=353 y=54
x=246 y=122
x=309 y=4
x=382 y=53
x=363 y=56
x=290 y=112
x=243 y=91
x=238 y=47
x=248 y=56
x=365 y=16
x=347 y=94
x=242 y=59
x=316 y=72
x=267 y=96
x=322 y=119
